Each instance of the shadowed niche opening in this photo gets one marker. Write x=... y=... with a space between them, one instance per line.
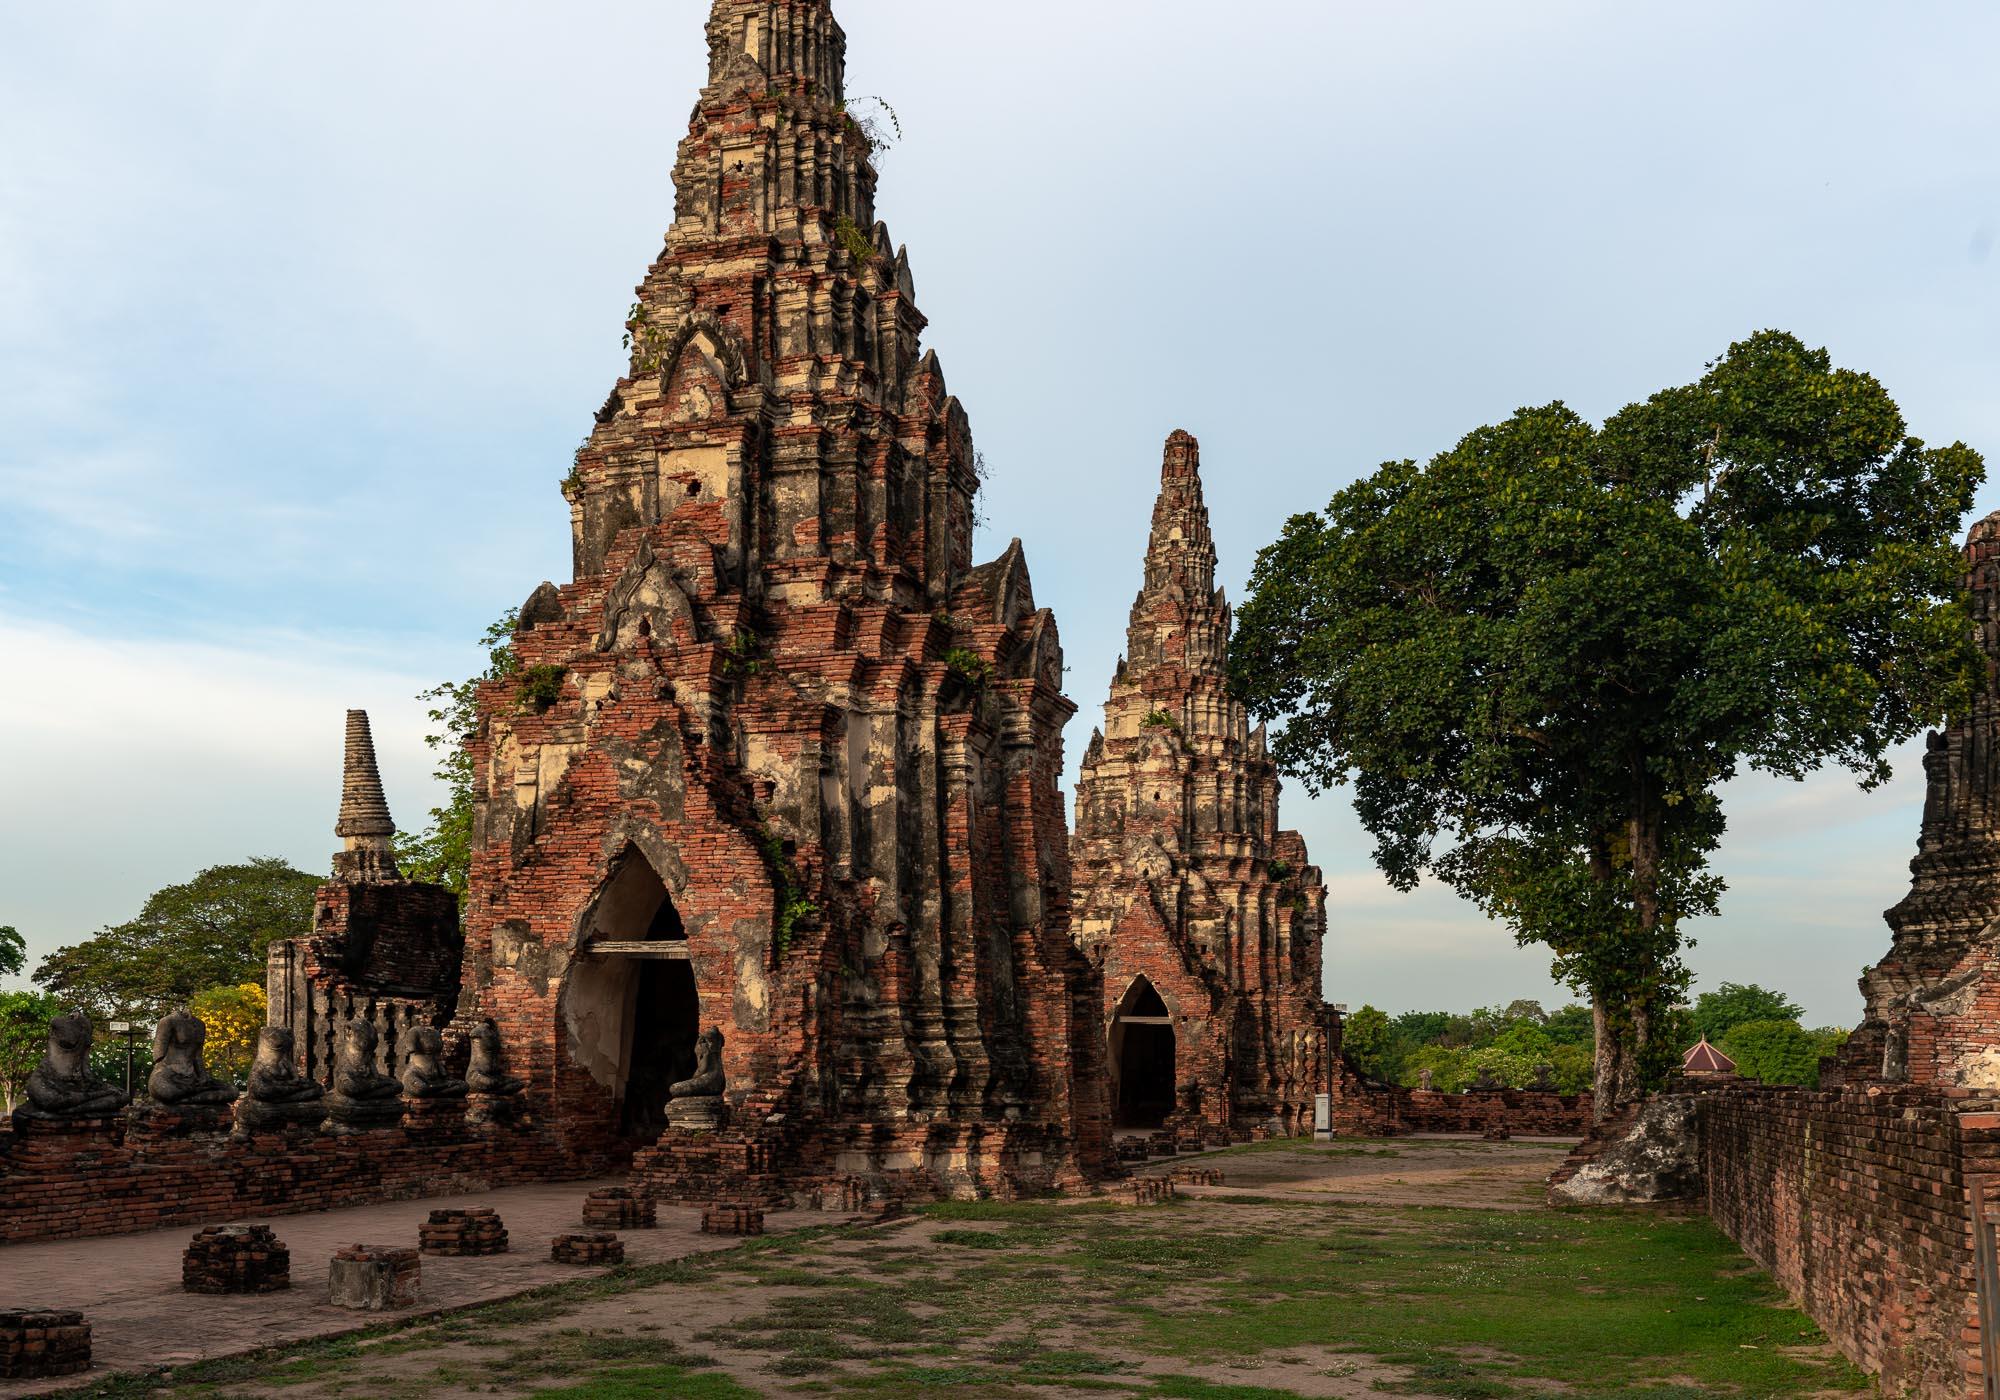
x=1142 y=1049
x=631 y=1005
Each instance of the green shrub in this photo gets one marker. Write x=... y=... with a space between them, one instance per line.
x=541 y=686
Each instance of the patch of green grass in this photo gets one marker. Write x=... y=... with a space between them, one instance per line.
x=648 y=1383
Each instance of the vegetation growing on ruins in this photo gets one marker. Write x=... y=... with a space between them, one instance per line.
x=442 y=853
x=210 y=931
x=858 y=244
x=872 y=122
x=795 y=905
x=1540 y=656
x=969 y=666
x=540 y=686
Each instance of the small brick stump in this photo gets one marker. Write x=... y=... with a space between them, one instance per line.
x=236 y=1259
x=619 y=1209
x=463 y=1233
x=1147 y=1190
x=1162 y=1144
x=1133 y=1150
x=1497 y=1132
x=34 y=1345
x=374 y=1278
x=1198 y=1176
x=595 y=1247
x=732 y=1218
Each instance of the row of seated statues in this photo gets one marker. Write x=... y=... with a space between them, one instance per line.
x=65 y=1088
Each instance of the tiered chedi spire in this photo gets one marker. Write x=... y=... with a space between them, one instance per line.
x=366 y=830
x=782 y=719
x=1182 y=876
x=1934 y=1002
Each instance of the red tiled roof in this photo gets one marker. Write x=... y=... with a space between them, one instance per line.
x=1706 y=1059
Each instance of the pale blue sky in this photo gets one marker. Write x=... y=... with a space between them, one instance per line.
x=304 y=309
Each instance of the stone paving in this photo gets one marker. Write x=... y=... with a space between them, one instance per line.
x=129 y=1286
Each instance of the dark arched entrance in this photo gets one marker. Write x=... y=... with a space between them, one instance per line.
x=1142 y=1036
x=630 y=1001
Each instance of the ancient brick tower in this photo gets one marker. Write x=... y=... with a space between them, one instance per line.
x=780 y=759
x=1934 y=1002
x=1205 y=918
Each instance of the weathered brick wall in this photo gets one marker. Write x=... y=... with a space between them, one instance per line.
x=1364 y=1107
x=1857 y=1201
x=108 y=1177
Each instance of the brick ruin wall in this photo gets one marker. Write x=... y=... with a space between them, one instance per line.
x=1858 y=1202
x=1364 y=1107
x=114 y=1176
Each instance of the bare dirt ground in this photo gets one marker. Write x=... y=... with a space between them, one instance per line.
x=1419 y=1267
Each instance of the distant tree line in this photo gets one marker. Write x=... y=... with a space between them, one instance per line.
x=1756 y=1027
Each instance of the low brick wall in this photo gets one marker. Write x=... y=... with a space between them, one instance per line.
x=108 y=1177
x=1857 y=1201
x=1364 y=1107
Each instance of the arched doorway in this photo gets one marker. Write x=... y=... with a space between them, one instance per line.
x=630 y=1005
x=1142 y=1049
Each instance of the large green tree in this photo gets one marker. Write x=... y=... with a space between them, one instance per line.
x=24 y=1039
x=13 y=951
x=1733 y=1004
x=442 y=853
x=211 y=931
x=1539 y=656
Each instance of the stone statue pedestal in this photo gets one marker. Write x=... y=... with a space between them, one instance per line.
x=300 y=1119
x=157 y=1120
x=347 y=1116
x=434 y=1117
x=495 y=1110
x=30 y=1123
x=697 y=1113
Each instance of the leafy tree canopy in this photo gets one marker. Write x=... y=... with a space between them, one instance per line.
x=211 y=931
x=13 y=951
x=232 y=1016
x=442 y=854
x=24 y=1038
x=1779 y=1051
x=1538 y=657
x=1732 y=1004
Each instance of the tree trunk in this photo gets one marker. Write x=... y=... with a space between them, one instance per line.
x=1605 y=1067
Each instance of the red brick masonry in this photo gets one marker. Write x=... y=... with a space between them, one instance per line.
x=100 y=1178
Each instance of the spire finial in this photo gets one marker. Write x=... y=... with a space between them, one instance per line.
x=364 y=826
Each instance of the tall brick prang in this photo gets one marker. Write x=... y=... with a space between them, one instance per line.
x=1934 y=1002
x=780 y=759
x=1206 y=919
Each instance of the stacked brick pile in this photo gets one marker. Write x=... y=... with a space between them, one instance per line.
x=1198 y=1176
x=1147 y=1190
x=619 y=1209
x=236 y=1259
x=463 y=1233
x=1134 y=1149
x=374 y=1278
x=596 y=1247
x=732 y=1218
x=35 y=1345
x=1163 y=1144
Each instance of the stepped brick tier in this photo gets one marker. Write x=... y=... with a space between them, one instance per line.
x=109 y=1177
x=1197 y=1176
x=463 y=1233
x=37 y=1345
x=383 y=949
x=374 y=1278
x=1868 y=1198
x=732 y=1218
x=619 y=1209
x=593 y=1248
x=1365 y=1107
x=780 y=759
x=1205 y=918
x=236 y=1259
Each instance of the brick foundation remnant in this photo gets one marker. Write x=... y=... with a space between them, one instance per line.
x=1147 y=1190
x=37 y=1345
x=1206 y=919
x=464 y=1233
x=1859 y=1196
x=374 y=1278
x=236 y=1259
x=1197 y=1176
x=1365 y=1107
x=732 y=1218
x=597 y=1247
x=619 y=1209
